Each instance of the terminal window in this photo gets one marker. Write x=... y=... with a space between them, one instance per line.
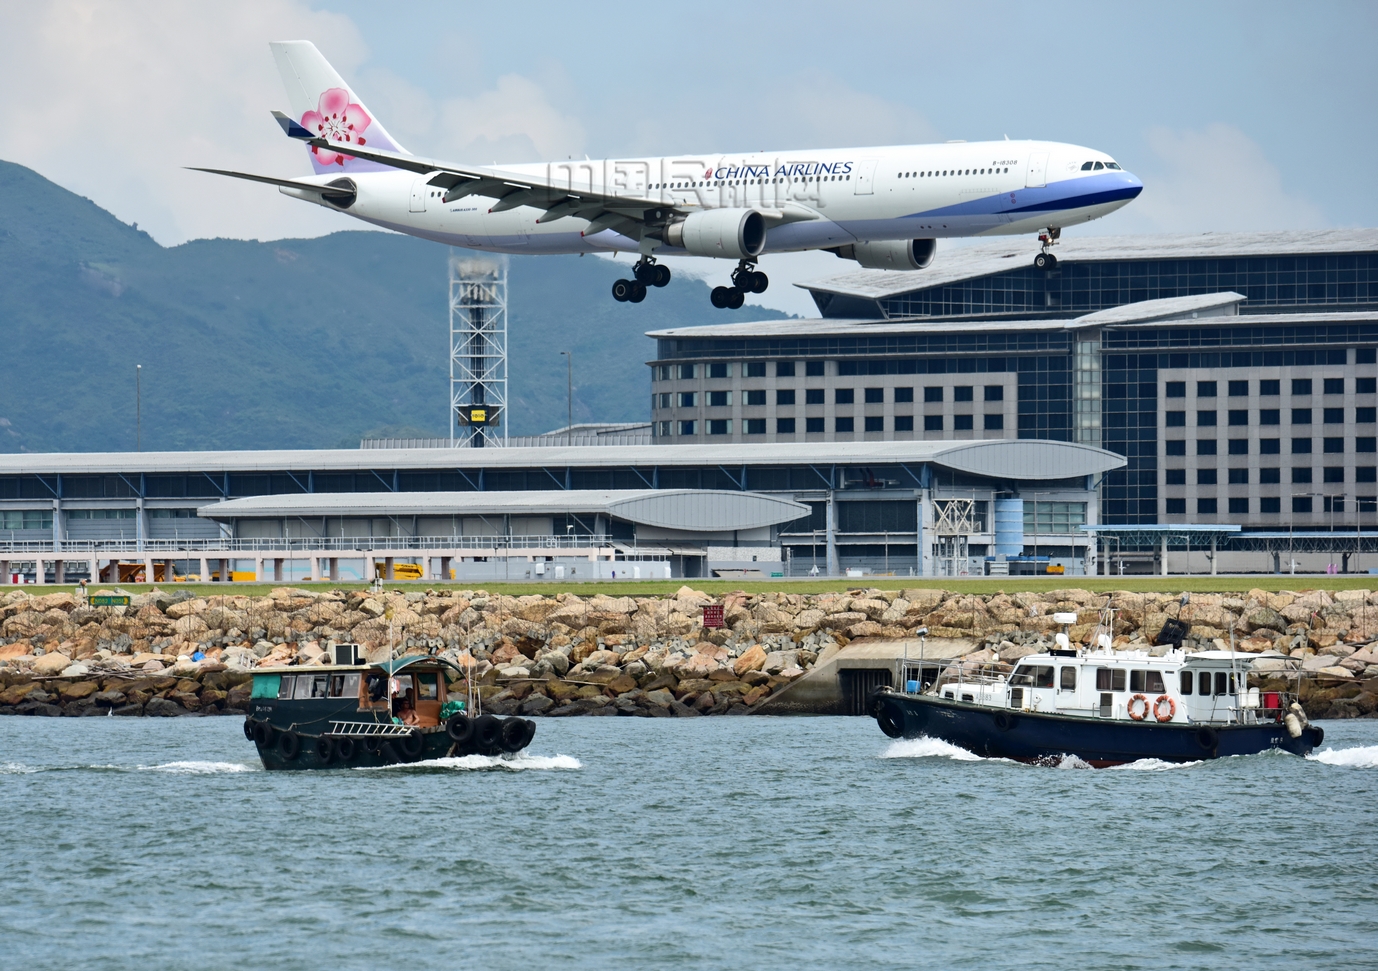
x=844 y=424
x=1239 y=416
x=753 y=397
x=1333 y=473
x=784 y=396
x=1301 y=385
x=1239 y=476
x=1365 y=385
x=1270 y=504
x=687 y=398
x=813 y=424
x=784 y=369
x=1175 y=476
x=754 y=369
x=875 y=423
x=720 y=369
x=1205 y=418
x=932 y=394
x=784 y=426
x=1206 y=476
x=1365 y=416
x=1176 y=507
x=1366 y=473
x=995 y=392
x=1239 y=505
x=1270 y=476
x=1239 y=446
x=686 y=427
x=1273 y=387
x=813 y=369
x=1240 y=389
x=1205 y=506
x=962 y=423
x=1206 y=447
x=1175 y=419
x=962 y=392
x=1301 y=503
x=1301 y=416
x=1178 y=447
x=932 y=423
x=875 y=396
x=1205 y=389
x=1368 y=444
x=1333 y=416
x=1334 y=385
x=1268 y=446
x=1334 y=446
x=719 y=399
x=907 y=395
x=1176 y=389
x=686 y=372
x=1301 y=476
x=1270 y=416
x=813 y=396
x=720 y=426
x=995 y=423
x=904 y=423
x=755 y=426
x=1333 y=504
x=844 y=396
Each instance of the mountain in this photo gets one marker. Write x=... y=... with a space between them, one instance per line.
x=303 y=343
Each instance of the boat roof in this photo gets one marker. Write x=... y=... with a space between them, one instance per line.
x=391 y=667
x=1142 y=657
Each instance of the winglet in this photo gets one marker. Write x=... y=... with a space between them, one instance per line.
x=291 y=128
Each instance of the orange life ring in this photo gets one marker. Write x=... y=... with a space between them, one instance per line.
x=1130 y=708
x=1171 y=708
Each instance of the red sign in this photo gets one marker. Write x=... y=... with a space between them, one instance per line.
x=712 y=615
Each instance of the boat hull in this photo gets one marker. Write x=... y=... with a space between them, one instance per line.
x=1042 y=737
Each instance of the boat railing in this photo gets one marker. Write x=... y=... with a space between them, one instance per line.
x=930 y=676
x=369 y=729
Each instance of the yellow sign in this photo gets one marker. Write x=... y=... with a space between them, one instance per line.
x=478 y=415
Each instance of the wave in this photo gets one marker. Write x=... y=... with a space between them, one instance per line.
x=520 y=762
x=924 y=747
x=198 y=768
x=1153 y=765
x=16 y=768
x=1362 y=757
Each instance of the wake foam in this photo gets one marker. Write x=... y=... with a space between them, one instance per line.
x=924 y=747
x=16 y=768
x=199 y=768
x=520 y=762
x=1362 y=757
x=1153 y=765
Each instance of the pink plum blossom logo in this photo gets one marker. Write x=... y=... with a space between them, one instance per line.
x=337 y=119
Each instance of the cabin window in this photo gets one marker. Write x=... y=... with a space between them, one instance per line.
x=1040 y=675
x=1068 y=679
x=375 y=689
x=1204 y=684
x=1186 y=685
x=1220 y=683
x=430 y=688
x=1136 y=680
x=1155 y=683
x=968 y=698
x=1109 y=679
x=947 y=694
x=302 y=691
x=344 y=685
x=266 y=686
x=285 y=687
x=1016 y=697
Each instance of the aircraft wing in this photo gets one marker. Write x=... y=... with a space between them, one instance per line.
x=629 y=214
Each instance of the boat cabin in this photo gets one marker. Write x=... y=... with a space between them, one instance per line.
x=412 y=689
x=1205 y=687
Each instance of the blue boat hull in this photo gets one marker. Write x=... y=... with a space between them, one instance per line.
x=1040 y=737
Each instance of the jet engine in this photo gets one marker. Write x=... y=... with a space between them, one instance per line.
x=738 y=234
x=894 y=254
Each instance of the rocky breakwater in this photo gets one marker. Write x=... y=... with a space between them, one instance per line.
x=171 y=652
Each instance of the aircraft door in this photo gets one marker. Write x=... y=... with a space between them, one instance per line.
x=866 y=177
x=1038 y=167
x=418 y=195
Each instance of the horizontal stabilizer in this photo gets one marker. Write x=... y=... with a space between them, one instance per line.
x=325 y=190
x=291 y=128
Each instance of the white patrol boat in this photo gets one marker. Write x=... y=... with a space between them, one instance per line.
x=1103 y=706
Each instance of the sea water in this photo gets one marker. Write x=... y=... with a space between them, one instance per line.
x=707 y=843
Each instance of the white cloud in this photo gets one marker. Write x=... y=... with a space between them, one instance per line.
x=1213 y=180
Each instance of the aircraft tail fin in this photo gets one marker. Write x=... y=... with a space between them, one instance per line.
x=324 y=105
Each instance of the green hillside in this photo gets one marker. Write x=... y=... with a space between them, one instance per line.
x=307 y=343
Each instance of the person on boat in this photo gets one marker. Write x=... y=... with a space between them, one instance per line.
x=406 y=709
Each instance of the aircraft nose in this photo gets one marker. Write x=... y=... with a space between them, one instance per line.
x=1135 y=184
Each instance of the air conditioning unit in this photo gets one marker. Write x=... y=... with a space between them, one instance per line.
x=348 y=654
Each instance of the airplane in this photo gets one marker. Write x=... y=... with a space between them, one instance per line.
x=882 y=207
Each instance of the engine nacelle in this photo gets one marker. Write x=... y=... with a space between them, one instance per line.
x=738 y=234
x=893 y=254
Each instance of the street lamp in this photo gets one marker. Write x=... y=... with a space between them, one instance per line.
x=1291 y=523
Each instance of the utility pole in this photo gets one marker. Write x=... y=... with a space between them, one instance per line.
x=138 y=408
x=569 y=397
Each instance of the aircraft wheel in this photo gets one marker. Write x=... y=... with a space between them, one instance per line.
x=622 y=290
x=1043 y=261
x=759 y=282
x=720 y=297
x=662 y=276
x=735 y=299
x=647 y=273
x=638 y=293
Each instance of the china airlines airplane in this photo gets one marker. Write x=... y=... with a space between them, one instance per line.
x=885 y=208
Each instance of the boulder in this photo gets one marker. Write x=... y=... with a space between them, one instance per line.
x=51 y=664
x=752 y=660
x=78 y=690
x=1264 y=618
x=108 y=699
x=238 y=696
x=162 y=707
x=536 y=704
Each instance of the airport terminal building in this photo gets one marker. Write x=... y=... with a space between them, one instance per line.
x=1198 y=404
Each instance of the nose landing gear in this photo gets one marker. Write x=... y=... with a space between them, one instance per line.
x=646 y=273
x=1046 y=260
x=745 y=279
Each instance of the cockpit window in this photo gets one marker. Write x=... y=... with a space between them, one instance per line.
x=1086 y=166
x=1112 y=165
x=1098 y=166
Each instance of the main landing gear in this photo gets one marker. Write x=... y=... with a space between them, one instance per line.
x=1046 y=260
x=646 y=273
x=745 y=279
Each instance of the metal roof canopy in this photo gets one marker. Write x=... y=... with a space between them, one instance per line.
x=1003 y=458
x=692 y=510
x=956 y=264
x=1147 y=534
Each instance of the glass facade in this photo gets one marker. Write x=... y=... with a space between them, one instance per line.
x=1272 y=284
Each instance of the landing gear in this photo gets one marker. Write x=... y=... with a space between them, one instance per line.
x=745 y=279
x=646 y=273
x=1046 y=260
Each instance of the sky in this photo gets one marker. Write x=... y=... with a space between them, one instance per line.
x=1236 y=116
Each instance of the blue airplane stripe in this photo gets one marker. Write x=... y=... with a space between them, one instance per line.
x=1046 y=198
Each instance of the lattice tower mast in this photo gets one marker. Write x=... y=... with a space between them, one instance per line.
x=478 y=350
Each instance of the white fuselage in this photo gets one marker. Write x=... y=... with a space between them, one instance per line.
x=812 y=199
